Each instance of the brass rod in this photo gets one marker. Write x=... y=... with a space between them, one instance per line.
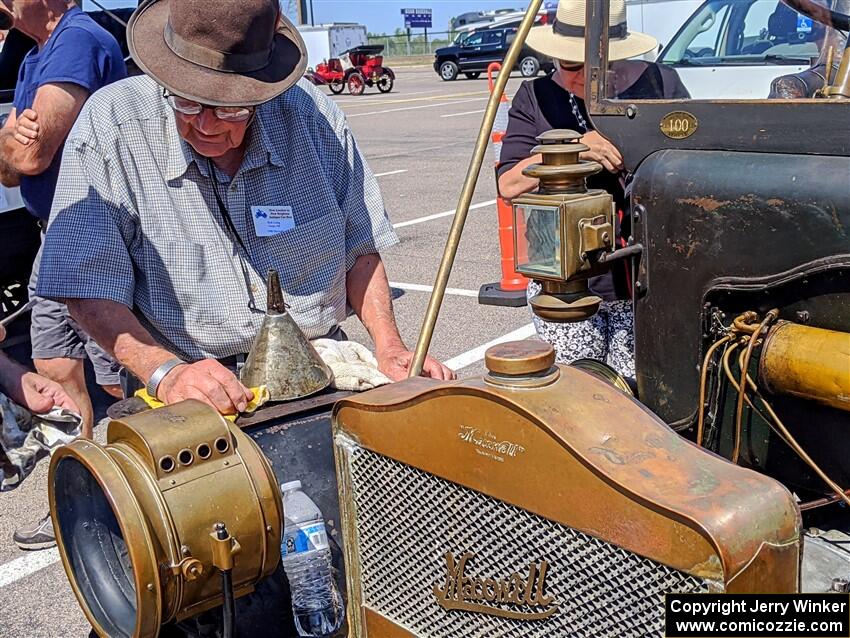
x=841 y=87
x=830 y=57
x=466 y=193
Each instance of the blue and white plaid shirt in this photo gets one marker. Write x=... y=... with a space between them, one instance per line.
x=135 y=218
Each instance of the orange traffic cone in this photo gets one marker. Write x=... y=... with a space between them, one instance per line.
x=510 y=290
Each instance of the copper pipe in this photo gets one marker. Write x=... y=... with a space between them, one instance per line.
x=744 y=323
x=734 y=383
x=783 y=431
x=796 y=446
x=427 y=332
x=826 y=500
x=702 y=383
x=739 y=410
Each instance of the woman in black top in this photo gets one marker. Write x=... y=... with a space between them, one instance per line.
x=553 y=102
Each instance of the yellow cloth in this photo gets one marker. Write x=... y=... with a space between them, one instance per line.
x=261 y=396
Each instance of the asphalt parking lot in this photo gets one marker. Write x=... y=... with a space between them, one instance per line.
x=418 y=141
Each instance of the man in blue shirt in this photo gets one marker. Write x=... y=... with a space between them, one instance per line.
x=74 y=57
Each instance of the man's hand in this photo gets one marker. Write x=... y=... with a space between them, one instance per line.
x=602 y=151
x=39 y=394
x=26 y=127
x=206 y=381
x=30 y=390
x=395 y=361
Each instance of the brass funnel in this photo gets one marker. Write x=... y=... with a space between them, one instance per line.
x=281 y=358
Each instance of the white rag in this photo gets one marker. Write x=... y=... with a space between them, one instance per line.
x=353 y=365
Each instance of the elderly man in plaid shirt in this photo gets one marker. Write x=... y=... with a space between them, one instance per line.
x=181 y=188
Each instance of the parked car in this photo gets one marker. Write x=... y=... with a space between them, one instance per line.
x=735 y=48
x=356 y=68
x=474 y=53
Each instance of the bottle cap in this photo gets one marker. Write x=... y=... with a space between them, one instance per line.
x=290 y=486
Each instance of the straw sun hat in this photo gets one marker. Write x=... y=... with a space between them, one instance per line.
x=564 y=38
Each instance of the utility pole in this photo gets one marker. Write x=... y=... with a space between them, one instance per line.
x=302 y=10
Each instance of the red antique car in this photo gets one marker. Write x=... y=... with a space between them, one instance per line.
x=357 y=68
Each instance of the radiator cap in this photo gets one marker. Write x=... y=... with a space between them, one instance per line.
x=519 y=359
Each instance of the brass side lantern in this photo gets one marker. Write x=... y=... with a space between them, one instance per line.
x=176 y=513
x=563 y=231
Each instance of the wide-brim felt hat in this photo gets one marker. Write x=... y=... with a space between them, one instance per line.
x=217 y=52
x=564 y=38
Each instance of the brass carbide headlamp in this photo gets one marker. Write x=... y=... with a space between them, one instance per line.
x=562 y=230
x=139 y=520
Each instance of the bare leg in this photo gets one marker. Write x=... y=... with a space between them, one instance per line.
x=70 y=374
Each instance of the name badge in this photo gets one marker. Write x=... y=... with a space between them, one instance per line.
x=271 y=220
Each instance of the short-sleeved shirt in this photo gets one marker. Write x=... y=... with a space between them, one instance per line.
x=136 y=219
x=80 y=52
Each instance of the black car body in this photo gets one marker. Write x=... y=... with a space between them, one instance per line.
x=472 y=54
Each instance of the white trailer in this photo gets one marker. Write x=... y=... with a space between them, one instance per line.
x=328 y=41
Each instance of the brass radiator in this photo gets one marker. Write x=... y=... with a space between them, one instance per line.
x=480 y=509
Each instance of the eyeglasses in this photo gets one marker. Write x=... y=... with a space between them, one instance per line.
x=190 y=107
x=570 y=66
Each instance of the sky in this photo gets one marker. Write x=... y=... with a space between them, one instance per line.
x=379 y=16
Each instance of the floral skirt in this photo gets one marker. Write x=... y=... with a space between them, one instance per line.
x=608 y=336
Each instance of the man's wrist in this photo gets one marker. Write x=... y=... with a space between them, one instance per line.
x=155 y=380
x=389 y=343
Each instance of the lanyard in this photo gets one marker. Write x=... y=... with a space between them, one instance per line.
x=223 y=209
x=228 y=222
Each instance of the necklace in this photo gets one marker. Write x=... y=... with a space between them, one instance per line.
x=577 y=113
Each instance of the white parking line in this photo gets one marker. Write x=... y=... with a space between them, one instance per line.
x=25 y=565
x=458 y=292
x=428 y=218
x=464 y=113
x=413 y=108
x=476 y=354
x=402 y=170
x=416 y=152
x=360 y=100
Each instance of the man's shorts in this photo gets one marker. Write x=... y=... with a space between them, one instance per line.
x=55 y=335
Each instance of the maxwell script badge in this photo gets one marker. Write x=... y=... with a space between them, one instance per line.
x=678 y=125
x=271 y=220
x=523 y=594
x=486 y=444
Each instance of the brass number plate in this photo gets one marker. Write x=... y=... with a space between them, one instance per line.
x=678 y=125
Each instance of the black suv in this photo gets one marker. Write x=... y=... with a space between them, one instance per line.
x=471 y=54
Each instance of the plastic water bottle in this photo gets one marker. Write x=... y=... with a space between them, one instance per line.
x=316 y=602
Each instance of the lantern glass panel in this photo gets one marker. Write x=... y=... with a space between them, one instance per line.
x=537 y=231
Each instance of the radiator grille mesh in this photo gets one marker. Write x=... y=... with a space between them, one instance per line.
x=408 y=519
